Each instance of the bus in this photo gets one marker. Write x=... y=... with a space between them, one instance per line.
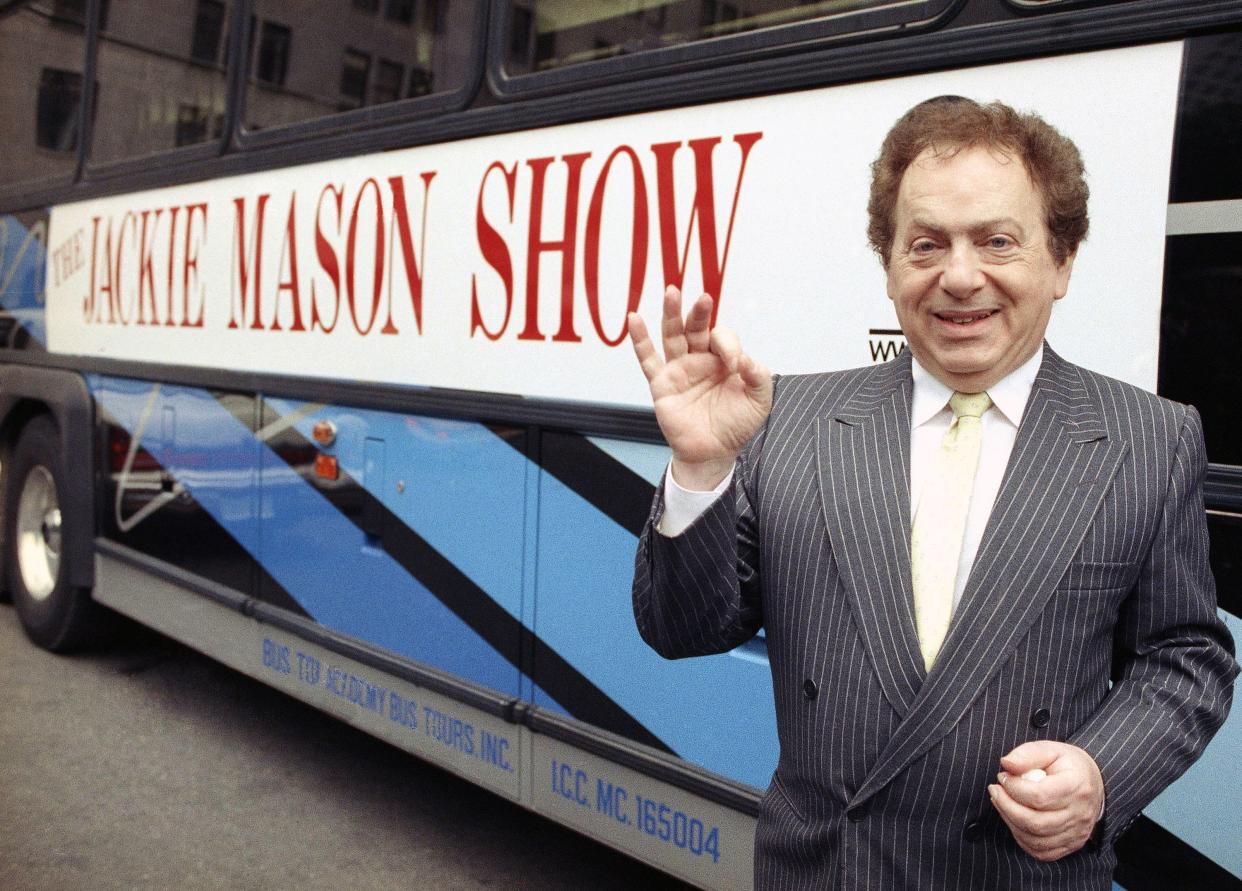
x=312 y=342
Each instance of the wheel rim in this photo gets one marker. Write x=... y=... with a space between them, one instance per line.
x=38 y=533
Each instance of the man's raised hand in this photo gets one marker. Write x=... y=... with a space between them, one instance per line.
x=710 y=398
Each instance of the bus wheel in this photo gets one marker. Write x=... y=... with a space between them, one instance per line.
x=54 y=614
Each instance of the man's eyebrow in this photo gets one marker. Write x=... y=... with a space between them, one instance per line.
x=998 y=223
x=976 y=229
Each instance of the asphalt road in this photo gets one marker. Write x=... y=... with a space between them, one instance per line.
x=148 y=766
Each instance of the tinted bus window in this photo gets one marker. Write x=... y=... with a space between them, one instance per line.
x=1225 y=530
x=310 y=62
x=1200 y=329
x=161 y=77
x=41 y=58
x=546 y=34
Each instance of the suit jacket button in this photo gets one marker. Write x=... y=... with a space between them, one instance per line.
x=973 y=831
x=1040 y=718
x=858 y=814
x=809 y=690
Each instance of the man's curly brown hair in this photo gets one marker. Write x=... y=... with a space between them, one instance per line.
x=947 y=124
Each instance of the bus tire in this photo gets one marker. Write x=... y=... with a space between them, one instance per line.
x=55 y=614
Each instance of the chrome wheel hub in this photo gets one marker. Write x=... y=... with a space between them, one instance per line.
x=38 y=533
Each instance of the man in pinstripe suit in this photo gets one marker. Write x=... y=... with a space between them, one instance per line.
x=1084 y=666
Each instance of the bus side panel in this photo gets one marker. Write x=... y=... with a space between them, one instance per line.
x=717 y=712
x=412 y=543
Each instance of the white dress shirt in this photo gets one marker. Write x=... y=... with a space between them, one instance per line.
x=930 y=417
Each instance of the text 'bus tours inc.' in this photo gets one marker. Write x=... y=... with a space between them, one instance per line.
x=312 y=341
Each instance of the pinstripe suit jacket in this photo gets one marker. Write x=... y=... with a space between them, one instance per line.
x=1089 y=617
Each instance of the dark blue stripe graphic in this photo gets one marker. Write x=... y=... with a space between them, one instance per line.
x=1150 y=858
x=598 y=478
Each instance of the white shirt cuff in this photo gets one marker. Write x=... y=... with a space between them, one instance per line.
x=683 y=506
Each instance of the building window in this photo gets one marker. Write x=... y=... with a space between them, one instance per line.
x=355 y=71
x=716 y=12
x=208 y=29
x=420 y=82
x=74 y=10
x=431 y=17
x=60 y=96
x=196 y=124
x=388 y=78
x=273 y=63
x=399 y=11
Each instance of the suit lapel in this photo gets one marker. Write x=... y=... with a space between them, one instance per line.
x=863 y=459
x=1061 y=466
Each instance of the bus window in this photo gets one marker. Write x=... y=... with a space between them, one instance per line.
x=307 y=64
x=161 y=77
x=547 y=34
x=1225 y=530
x=1200 y=330
x=41 y=57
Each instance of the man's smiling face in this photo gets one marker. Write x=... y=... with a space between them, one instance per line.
x=971 y=274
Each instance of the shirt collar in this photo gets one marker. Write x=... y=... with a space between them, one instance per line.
x=1009 y=394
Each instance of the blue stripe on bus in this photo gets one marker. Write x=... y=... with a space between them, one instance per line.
x=716 y=711
x=465 y=498
x=463 y=487
x=23 y=265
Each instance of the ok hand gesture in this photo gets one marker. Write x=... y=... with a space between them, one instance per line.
x=710 y=398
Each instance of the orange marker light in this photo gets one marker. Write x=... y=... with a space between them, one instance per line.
x=324 y=433
x=326 y=467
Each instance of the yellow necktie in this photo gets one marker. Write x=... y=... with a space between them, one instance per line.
x=940 y=522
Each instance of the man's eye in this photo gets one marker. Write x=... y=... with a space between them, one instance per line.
x=923 y=246
x=999 y=242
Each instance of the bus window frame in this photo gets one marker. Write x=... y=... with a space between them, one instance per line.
x=368 y=117
x=863 y=25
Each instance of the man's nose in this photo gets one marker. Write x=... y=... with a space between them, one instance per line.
x=962 y=275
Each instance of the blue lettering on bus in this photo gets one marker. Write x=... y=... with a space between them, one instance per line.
x=612 y=800
x=674 y=827
x=403 y=711
x=308 y=669
x=452 y=732
x=493 y=749
x=276 y=656
x=649 y=816
x=570 y=783
x=355 y=689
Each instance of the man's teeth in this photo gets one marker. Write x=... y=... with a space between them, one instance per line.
x=966 y=320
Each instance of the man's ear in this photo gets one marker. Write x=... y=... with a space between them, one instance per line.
x=1063 y=275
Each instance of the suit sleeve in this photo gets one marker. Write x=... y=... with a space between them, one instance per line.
x=1173 y=656
x=697 y=593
